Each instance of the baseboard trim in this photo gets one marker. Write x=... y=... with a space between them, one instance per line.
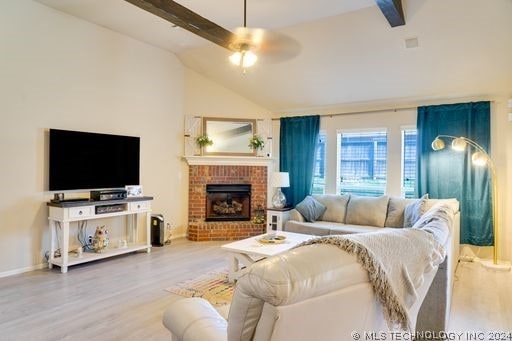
x=23 y=270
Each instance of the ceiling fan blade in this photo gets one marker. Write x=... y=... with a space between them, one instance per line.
x=187 y=19
x=270 y=46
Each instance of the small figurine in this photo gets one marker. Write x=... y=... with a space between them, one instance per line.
x=100 y=240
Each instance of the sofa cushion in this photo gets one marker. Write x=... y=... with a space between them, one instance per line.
x=336 y=207
x=350 y=229
x=395 y=216
x=324 y=228
x=415 y=210
x=369 y=211
x=310 y=208
x=316 y=229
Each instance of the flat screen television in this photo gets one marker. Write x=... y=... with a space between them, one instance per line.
x=81 y=160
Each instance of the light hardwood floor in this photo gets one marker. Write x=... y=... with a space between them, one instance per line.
x=482 y=300
x=120 y=298
x=123 y=298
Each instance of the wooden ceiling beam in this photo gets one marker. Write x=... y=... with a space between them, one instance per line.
x=393 y=11
x=186 y=19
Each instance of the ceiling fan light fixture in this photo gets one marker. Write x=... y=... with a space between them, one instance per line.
x=243 y=58
x=235 y=58
x=249 y=59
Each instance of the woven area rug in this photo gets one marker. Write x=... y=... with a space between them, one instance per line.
x=213 y=287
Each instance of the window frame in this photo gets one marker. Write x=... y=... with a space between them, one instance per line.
x=339 y=136
x=322 y=134
x=403 y=129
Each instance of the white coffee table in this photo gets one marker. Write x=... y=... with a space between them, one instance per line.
x=251 y=250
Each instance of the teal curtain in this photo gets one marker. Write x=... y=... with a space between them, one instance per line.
x=298 y=139
x=450 y=174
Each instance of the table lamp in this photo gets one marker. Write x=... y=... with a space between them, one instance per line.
x=279 y=180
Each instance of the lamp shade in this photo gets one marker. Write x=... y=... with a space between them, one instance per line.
x=479 y=158
x=437 y=144
x=459 y=144
x=280 y=179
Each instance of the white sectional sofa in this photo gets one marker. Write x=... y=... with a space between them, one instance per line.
x=317 y=291
x=347 y=214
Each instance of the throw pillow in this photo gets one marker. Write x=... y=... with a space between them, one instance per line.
x=396 y=207
x=336 y=207
x=310 y=208
x=369 y=211
x=453 y=203
x=414 y=211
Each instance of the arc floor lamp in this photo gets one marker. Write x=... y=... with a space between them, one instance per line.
x=479 y=158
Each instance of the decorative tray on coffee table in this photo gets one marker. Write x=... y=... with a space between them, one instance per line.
x=272 y=239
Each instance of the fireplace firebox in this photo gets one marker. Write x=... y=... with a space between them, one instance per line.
x=227 y=202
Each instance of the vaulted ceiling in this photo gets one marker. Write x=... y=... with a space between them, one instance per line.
x=349 y=52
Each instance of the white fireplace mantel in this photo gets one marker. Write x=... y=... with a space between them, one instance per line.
x=229 y=161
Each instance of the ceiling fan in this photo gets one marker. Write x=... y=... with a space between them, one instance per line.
x=247 y=44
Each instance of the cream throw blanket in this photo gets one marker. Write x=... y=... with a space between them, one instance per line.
x=396 y=260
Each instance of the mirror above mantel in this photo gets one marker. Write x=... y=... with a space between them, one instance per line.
x=230 y=136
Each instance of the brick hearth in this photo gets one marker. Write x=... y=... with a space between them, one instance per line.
x=199 y=176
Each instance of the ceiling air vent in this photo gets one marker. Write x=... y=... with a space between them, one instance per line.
x=411 y=43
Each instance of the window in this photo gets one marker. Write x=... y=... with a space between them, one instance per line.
x=362 y=158
x=319 y=170
x=409 y=162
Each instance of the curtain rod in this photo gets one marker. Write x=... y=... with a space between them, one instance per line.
x=348 y=113
x=356 y=112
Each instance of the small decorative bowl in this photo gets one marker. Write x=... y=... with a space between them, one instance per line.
x=272 y=239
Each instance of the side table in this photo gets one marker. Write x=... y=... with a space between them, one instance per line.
x=276 y=217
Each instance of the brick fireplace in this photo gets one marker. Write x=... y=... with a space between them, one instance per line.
x=202 y=175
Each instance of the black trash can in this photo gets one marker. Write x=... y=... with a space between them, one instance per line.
x=157 y=230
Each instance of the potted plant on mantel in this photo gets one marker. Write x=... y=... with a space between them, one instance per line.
x=203 y=141
x=256 y=143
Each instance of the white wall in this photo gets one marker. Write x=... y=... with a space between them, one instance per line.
x=60 y=72
x=204 y=97
x=57 y=71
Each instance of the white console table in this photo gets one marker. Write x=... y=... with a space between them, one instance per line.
x=63 y=213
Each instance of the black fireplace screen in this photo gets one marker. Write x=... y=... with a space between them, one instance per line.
x=228 y=202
